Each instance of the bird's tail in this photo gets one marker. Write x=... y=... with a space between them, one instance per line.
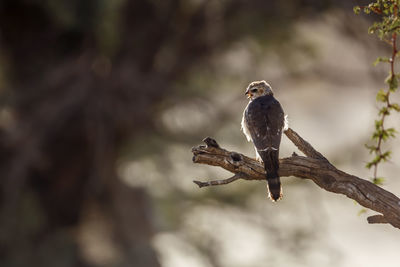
x=271 y=165
x=274 y=182
x=274 y=186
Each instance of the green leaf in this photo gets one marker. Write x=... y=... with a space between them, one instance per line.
x=392 y=80
x=369 y=165
x=362 y=211
x=381 y=59
x=356 y=10
x=384 y=111
x=387 y=79
x=376 y=160
x=391 y=132
x=385 y=5
x=381 y=96
x=385 y=156
x=385 y=135
x=381 y=34
x=371 y=148
x=395 y=107
x=386 y=12
x=393 y=84
x=375 y=26
x=376 y=135
x=378 y=124
x=395 y=25
x=378 y=180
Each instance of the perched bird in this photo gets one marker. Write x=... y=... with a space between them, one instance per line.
x=262 y=123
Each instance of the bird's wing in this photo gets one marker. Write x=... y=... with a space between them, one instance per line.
x=244 y=127
x=265 y=120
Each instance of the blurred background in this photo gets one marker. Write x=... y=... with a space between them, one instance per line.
x=102 y=100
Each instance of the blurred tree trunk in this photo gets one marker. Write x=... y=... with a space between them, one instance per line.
x=83 y=78
x=73 y=103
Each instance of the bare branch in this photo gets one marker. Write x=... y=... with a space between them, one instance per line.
x=314 y=167
x=377 y=219
x=303 y=145
x=237 y=176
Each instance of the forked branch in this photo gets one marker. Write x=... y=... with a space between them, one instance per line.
x=313 y=166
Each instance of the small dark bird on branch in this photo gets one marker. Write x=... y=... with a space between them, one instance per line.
x=263 y=123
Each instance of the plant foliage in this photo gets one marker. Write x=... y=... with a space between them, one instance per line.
x=387 y=29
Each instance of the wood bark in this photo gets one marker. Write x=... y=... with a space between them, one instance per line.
x=313 y=166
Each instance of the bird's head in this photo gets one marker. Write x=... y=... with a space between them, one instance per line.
x=257 y=89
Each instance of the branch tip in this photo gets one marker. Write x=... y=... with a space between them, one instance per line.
x=377 y=219
x=239 y=175
x=200 y=184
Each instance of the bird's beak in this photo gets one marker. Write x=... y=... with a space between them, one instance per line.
x=248 y=94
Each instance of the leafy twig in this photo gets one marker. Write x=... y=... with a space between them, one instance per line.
x=389 y=26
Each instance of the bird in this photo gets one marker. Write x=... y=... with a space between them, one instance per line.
x=263 y=123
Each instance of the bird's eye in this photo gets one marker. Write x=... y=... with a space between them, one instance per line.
x=253 y=90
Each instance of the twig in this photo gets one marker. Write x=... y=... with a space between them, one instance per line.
x=376 y=219
x=237 y=176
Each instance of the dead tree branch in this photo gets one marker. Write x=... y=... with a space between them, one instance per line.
x=313 y=166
